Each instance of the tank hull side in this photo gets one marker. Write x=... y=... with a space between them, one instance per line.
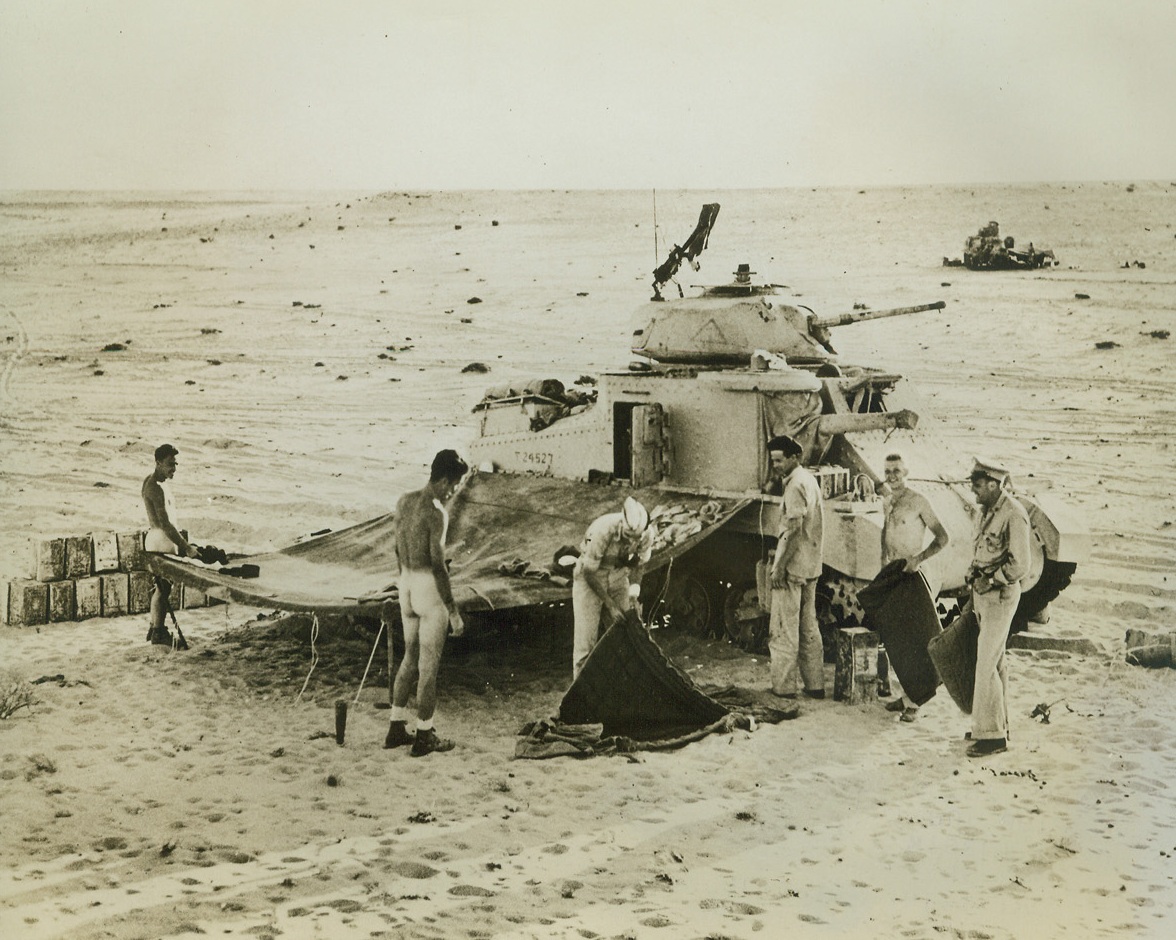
x=568 y=449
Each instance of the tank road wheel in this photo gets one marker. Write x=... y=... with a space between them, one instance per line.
x=744 y=621
x=686 y=604
x=837 y=607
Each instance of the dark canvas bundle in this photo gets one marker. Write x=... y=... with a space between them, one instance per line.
x=954 y=654
x=630 y=697
x=900 y=609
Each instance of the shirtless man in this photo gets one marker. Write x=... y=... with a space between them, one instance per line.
x=426 y=604
x=163 y=537
x=909 y=518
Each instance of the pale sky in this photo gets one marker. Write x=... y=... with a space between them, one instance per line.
x=458 y=94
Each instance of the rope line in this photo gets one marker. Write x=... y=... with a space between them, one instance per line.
x=375 y=645
x=314 y=657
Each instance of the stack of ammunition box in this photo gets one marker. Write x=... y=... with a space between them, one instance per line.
x=101 y=574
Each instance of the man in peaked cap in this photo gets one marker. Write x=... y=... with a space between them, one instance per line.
x=1000 y=560
x=607 y=577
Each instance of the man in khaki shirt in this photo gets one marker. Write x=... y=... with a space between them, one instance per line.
x=794 y=637
x=1000 y=560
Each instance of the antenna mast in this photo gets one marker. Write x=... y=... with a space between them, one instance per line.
x=656 y=255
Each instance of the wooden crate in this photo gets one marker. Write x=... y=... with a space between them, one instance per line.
x=28 y=603
x=856 y=678
x=189 y=596
x=115 y=588
x=142 y=584
x=62 y=601
x=49 y=560
x=88 y=597
x=79 y=556
x=105 y=552
x=130 y=552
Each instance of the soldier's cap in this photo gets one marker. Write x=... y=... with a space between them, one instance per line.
x=163 y=451
x=636 y=516
x=987 y=470
x=785 y=445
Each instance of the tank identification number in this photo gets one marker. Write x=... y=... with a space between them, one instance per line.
x=535 y=460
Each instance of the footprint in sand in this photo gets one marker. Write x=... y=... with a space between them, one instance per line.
x=734 y=907
x=471 y=891
x=413 y=870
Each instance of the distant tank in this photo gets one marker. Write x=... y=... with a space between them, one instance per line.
x=718 y=375
x=987 y=251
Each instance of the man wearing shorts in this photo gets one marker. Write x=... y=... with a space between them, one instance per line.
x=426 y=604
x=163 y=537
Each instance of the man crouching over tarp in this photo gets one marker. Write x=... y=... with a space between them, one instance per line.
x=427 y=607
x=607 y=577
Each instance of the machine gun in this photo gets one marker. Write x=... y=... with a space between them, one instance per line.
x=688 y=252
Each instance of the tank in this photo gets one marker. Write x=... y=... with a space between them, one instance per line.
x=987 y=251
x=714 y=377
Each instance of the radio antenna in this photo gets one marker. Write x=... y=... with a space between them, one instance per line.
x=656 y=255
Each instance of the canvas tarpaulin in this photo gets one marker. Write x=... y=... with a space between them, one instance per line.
x=495 y=520
x=630 y=697
x=794 y=415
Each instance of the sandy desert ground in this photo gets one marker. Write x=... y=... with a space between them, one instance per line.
x=304 y=353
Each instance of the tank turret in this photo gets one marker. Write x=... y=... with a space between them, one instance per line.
x=729 y=323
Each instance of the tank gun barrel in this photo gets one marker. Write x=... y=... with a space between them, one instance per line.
x=860 y=316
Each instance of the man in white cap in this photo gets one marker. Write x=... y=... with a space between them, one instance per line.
x=794 y=636
x=607 y=576
x=1000 y=560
